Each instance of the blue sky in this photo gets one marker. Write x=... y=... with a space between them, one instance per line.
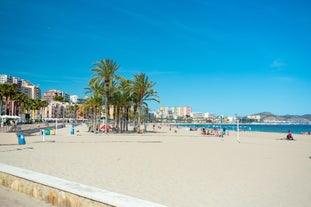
x=226 y=57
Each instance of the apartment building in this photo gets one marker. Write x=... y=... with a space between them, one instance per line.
x=51 y=94
x=26 y=87
x=174 y=112
x=6 y=79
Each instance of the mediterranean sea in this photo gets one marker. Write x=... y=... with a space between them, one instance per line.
x=295 y=128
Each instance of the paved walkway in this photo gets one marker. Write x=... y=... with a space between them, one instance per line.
x=11 y=198
x=36 y=126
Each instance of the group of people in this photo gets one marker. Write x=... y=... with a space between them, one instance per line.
x=214 y=132
x=306 y=133
x=222 y=132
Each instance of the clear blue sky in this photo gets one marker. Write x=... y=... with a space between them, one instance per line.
x=225 y=57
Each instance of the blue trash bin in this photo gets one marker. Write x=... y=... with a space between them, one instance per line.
x=72 y=131
x=21 y=139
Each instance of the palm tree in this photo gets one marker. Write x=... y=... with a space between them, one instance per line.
x=43 y=104
x=70 y=111
x=93 y=105
x=3 y=88
x=122 y=101
x=59 y=98
x=24 y=103
x=22 y=100
x=7 y=91
x=75 y=109
x=142 y=89
x=34 y=106
x=114 y=101
x=104 y=73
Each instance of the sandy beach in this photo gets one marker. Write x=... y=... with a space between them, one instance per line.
x=175 y=169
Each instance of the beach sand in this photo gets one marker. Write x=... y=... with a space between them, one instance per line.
x=180 y=169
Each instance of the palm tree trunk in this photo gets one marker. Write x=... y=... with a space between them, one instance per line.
x=106 y=105
x=118 y=114
x=121 y=120
x=0 y=105
x=138 y=118
x=94 y=119
x=6 y=106
x=126 y=122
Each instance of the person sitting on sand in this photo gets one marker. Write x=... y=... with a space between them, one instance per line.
x=289 y=136
x=203 y=131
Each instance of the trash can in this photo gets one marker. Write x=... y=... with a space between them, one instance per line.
x=72 y=131
x=21 y=139
x=47 y=131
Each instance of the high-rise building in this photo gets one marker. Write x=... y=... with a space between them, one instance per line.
x=51 y=94
x=35 y=92
x=5 y=79
x=26 y=87
x=176 y=111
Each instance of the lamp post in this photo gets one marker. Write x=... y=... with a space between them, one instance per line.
x=56 y=126
x=237 y=129
x=55 y=114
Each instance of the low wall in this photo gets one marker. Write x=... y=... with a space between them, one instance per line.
x=62 y=192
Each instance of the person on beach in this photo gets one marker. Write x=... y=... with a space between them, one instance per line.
x=203 y=131
x=289 y=136
x=224 y=131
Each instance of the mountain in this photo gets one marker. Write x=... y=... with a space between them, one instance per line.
x=307 y=116
x=269 y=117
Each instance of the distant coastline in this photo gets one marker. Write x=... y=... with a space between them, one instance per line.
x=295 y=128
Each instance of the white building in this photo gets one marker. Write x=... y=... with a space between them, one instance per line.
x=31 y=90
x=197 y=115
x=74 y=99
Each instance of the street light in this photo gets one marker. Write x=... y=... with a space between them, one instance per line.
x=237 y=129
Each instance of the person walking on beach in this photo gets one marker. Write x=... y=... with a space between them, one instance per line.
x=224 y=131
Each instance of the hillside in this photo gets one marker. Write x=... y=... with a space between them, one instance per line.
x=269 y=117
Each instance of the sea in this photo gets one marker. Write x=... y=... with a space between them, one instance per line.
x=295 y=128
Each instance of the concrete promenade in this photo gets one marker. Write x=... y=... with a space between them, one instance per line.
x=11 y=198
